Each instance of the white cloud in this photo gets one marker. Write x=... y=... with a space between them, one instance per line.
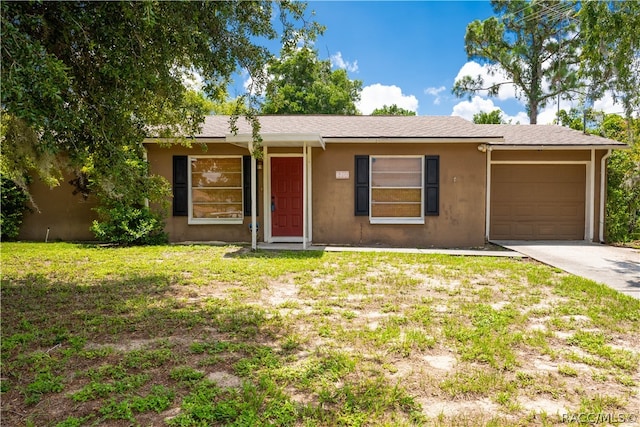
x=606 y=104
x=466 y=110
x=548 y=114
x=192 y=80
x=435 y=92
x=491 y=75
x=377 y=96
x=254 y=87
x=520 y=118
x=495 y=74
x=338 y=61
x=248 y=80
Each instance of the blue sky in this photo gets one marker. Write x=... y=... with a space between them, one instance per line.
x=407 y=51
x=410 y=53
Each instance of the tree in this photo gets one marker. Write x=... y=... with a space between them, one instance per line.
x=230 y=107
x=14 y=202
x=303 y=84
x=84 y=82
x=623 y=171
x=534 y=43
x=586 y=120
x=623 y=179
x=610 y=44
x=484 y=118
x=392 y=110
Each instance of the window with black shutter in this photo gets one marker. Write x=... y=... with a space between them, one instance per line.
x=246 y=184
x=180 y=186
x=396 y=195
x=432 y=185
x=361 y=185
x=397 y=189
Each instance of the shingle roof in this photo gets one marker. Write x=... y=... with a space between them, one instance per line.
x=545 y=135
x=451 y=127
x=328 y=126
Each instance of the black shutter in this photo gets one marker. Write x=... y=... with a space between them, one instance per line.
x=180 y=186
x=362 y=186
x=432 y=185
x=246 y=184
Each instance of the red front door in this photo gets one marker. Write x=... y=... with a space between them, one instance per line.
x=286 y=196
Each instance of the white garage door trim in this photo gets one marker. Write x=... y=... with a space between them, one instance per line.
x=589 y=186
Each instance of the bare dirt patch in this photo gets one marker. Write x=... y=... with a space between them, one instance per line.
x=224 y=379
x=442 y=362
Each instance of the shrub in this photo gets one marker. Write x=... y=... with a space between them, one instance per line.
x=14 y=201
x=129 y=225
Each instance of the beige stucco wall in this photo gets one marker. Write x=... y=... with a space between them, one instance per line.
x=462 y=198
x=67 y=216
x=541 y=155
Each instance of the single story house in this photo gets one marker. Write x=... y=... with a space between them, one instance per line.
x=414 y=181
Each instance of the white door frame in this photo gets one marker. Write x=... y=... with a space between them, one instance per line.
x=306 y=237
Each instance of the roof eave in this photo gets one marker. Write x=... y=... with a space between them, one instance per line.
x=412 y=139
x=558 y=146
x=195 y=139
x=279 y=139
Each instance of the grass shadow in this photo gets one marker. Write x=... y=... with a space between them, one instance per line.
x=246 y=252
x=60 y=338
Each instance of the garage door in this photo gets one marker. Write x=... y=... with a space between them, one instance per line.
x=537 y=202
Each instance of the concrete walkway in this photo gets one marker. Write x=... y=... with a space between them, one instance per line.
x=459 y=252
x=616 y=267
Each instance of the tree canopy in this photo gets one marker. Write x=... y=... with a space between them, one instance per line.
x=610 y=43
x=550 y=49
x=623 y=179
x=301 y=83
x=623 y=171
x=493 y=117
x=534 y=43
x=392 y=110
x=84 y=82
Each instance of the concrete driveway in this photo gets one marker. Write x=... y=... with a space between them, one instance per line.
x=616 y=267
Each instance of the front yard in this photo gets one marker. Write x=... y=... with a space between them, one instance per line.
x=202 y=335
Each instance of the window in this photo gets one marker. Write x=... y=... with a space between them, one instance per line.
x=396 y=189
x=215 y=190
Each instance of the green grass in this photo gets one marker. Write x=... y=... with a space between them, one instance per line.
x=204 y=335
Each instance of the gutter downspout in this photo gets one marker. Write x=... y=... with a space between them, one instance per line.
x=603 y=177
x=592 y=196
x=145 y=157
x=254 y=202
x=488 y=195
x=305 y=195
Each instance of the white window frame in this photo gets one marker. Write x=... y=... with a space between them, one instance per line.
x=396 y=220
x=202 y=221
